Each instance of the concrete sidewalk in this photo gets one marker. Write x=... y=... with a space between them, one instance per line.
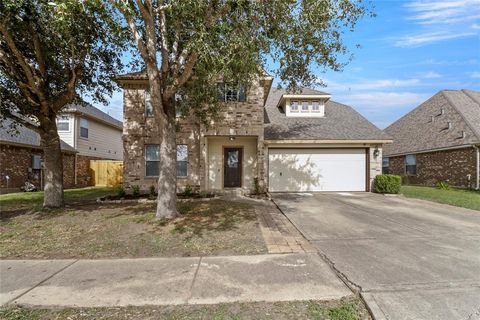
x=168 y=281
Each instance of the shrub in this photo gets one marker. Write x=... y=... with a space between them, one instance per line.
x=188 y=191
x=136 y=191
x=153 y=193
x=387 y=183
x=120 y=191
x=443 y=185
x=256 y=186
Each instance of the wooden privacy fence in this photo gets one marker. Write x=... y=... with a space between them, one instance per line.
x=106 y=172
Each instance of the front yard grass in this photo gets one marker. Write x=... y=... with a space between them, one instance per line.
x=456 y=197
x=86 y=229
x=348 y=309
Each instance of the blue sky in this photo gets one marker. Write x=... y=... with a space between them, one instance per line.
x=409 y=51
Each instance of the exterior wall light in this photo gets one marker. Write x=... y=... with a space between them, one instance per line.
x=376 y=152
x=231 y=138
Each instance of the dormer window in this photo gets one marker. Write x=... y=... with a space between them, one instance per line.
x=305 y=106
x=294 y=106
x=315 y=106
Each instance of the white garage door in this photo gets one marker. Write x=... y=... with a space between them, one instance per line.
x=316 y=169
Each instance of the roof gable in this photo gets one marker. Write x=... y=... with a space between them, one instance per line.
x=427 y=126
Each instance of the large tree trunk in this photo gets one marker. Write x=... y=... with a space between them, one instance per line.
x=167 y=180
x=53 y=167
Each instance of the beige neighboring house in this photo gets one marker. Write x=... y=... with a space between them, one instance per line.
x=283 y=141
x=90 y=131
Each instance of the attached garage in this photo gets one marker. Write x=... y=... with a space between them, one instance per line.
x=317 y=169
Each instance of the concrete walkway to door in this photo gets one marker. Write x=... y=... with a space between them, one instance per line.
x=410 y=259
x=169 y=281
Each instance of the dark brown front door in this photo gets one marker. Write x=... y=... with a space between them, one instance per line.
x=232 y=163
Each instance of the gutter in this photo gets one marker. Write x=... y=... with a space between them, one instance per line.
x=477 y=184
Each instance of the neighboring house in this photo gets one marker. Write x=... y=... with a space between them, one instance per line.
x=437 y=141
x=87 y=133
x=267 y=137
x=20 y=159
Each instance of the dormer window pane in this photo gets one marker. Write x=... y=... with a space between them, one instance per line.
x=315 y=106
x=294 y=106
x=304 y=106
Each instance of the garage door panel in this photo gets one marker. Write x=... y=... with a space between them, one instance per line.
x=317 y=170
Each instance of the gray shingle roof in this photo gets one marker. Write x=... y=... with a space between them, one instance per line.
x=25 y=137
x=427 y=128
x=96 y=113
x=341 y=122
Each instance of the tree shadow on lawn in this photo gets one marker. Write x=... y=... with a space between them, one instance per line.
x=199 y=217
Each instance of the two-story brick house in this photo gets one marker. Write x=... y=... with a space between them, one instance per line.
x=284 y=141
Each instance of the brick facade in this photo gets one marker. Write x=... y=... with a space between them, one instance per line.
x=452 y=166
x=243 y=119
x=16 y=162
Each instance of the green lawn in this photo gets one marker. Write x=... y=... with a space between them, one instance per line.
x=88 y=229
x=456 y=197
x=34 y=200
x=348 y=309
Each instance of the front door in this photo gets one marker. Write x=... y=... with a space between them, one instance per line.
x=232 y=163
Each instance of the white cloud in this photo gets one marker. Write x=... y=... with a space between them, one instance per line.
x=430 y=75
x=441 y=12
x=440 y=21
x=475 y=75
x=430 y=37
x=372 y=84
x=475 y=26
x=382 y=101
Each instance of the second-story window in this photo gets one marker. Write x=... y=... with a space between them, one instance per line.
x=148 y=105
x=63 y=123
x=84 y=128
x=231 y=93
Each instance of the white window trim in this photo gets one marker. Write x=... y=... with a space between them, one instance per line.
x=318 y=105
x=302 y=105
x=64 y=121
x=186 y=175
x=145 y=160
x=296 y=104
x=145 y=95
x=80 y=128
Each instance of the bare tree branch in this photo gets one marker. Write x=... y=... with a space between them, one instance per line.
x=20 y=58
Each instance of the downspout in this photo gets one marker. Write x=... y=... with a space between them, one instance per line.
x=477 y=184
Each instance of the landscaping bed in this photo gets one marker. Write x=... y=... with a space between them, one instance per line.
x=456 y=197
x=348 y=309
x=87 y=229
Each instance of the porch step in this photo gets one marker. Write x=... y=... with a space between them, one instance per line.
x=234 y=192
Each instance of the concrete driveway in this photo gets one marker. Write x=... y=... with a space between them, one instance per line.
x=411 y=259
